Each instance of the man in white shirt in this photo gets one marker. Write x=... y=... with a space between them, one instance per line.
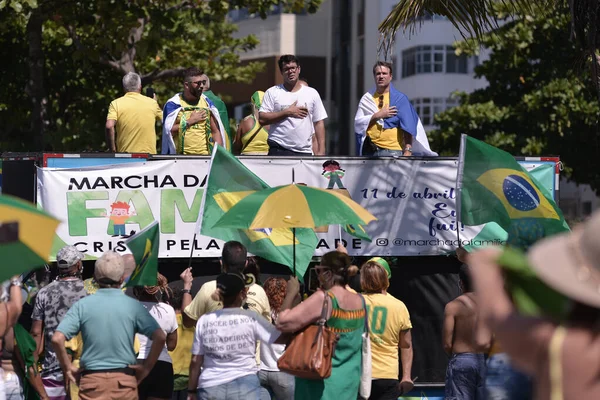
x=293 y=112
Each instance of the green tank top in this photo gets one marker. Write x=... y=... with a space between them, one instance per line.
x=346 y=364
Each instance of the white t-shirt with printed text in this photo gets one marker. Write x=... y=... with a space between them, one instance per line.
x=227 y=340
x=293 y=133
x=165 y=315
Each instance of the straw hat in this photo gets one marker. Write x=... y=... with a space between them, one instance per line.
x=570 y=262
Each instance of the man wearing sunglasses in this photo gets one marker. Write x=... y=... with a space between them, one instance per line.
x=191 y=121
x=386 y=124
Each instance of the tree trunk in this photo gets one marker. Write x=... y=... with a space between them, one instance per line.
x=35 y=85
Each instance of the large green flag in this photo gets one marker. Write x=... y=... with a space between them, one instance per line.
x=144 y=247
x=229 y=181
x=522 y=232
x=495 y=188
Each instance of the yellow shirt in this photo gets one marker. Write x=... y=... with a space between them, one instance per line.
x=193 y=140
x=388 y=316
x=202 y=304
x=182 y=355
x=136 y=117
x=385 y=138
x=258 y=145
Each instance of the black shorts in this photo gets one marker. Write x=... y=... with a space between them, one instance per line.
x=384 y=389
x=158 y=383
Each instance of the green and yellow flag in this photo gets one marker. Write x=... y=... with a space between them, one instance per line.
x=144 y=247
x=495 y=188
x=229 y=181
x=357 y=231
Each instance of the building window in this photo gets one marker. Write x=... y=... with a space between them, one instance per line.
x=435 y=59
x=428 y=107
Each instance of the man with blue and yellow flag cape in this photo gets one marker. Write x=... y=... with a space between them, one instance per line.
x=191 y=121
x=386 y=116
x=495 y=188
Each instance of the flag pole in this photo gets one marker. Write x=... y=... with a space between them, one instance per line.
x=293 y=234
x=294 y=248
x=201 y=210
x=459 y=184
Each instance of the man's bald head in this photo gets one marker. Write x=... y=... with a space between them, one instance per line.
x=207 y=86
x=129 y=262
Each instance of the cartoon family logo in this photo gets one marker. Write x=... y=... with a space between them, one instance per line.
x=120 y=212
x=334 y=173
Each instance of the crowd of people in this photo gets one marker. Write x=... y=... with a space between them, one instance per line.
x=97 y=340
x=94 y=339
x=285 y=120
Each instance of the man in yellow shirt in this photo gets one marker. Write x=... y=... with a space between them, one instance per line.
x=386 y=124
x=234 y=260
x=192 y=124
x=134 y=116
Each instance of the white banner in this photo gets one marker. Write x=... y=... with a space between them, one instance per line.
x=414 y=201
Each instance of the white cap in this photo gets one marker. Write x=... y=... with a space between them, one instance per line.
x=109 y=266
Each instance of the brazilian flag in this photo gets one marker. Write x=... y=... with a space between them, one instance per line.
x=495 y=188
x=144 y=247
x=229 y=181
x=357 y=231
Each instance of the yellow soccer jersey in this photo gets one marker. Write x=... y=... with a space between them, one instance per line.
x=193 y=139
x=388 y=316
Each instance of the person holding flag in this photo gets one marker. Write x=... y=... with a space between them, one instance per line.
x=386 y=124
x=191 y=121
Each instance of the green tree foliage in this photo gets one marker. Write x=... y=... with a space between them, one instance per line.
x=474 y=18
x=540 y=99
x=64 y=60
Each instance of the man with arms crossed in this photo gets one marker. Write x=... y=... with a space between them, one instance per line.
x=293 y=112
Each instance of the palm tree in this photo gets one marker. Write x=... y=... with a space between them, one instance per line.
x=473 y=18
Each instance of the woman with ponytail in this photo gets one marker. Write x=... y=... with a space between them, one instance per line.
x=159 y=382
x=224 y=346
x=345 y=316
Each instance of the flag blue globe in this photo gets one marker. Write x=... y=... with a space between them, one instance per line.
x=520 y=193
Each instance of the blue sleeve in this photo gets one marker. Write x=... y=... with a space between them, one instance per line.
x=71 y=323
x=169 y=108
x=144 y=322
